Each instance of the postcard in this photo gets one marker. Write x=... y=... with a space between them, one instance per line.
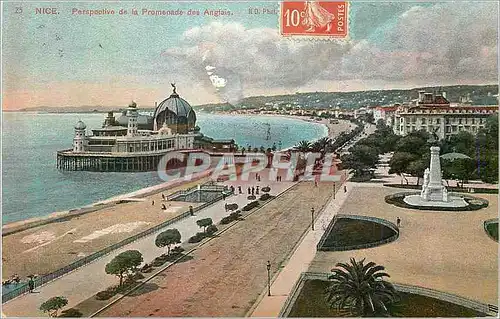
x=249 y=158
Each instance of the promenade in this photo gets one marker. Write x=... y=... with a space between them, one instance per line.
x=224 y=277
x=300 y=260
x=84 y=282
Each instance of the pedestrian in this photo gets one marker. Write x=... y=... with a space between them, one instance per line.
x=225 y=206
x=239 y=189
x=191 y=211
x=257 y=190
x=152 y=203
x=253 y=190
x=345 y=189
x=315 y=183
x=163 y=206
x=31 y=284
x=398 y=222
x=163 y=196
x=224 y=196
x=249 y=190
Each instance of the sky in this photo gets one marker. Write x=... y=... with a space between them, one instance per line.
x=108 y=60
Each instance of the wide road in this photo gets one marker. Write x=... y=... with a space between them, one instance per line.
x=226 y=276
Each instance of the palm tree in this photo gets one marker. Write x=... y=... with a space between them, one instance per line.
x=322 y=145
x=361 y=289
x=303 y=146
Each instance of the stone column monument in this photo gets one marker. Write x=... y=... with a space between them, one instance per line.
x=433 y=188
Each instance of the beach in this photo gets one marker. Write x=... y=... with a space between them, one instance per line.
x=60 y=241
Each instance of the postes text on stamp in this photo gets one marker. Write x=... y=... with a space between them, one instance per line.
x=314 y=18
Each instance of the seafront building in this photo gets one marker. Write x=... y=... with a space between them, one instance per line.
x=142 y=142
x=435 y=114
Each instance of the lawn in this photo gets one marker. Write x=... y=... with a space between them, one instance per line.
x=349 y=231
x=492 y=230
x=311 y=302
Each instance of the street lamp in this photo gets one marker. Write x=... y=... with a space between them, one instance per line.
x=268 y=278
x=312 y=218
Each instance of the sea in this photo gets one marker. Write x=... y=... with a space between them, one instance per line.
x=32 y=186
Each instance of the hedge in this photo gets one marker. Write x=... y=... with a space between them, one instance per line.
x=477 y=190
x=264 y=197
x=475 y=203
x=250 y=206
x=197 y=238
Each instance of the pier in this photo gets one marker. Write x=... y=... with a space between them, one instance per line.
x=108 y=162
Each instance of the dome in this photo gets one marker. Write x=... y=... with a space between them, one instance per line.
x=80 y=125
x=175 y=104
x=176 y=113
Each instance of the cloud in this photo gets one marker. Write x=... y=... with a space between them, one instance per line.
x=253 y=57
x=448 y=41
x=443 y=42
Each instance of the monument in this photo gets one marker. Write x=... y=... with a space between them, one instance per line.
x=433 y=191
x=433 y=188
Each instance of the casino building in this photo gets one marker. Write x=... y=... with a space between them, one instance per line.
x=136 y=142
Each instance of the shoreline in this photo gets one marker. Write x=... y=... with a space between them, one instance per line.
x=20 y=225
x=330 y=132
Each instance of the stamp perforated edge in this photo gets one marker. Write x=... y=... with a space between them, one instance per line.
x=316 y=37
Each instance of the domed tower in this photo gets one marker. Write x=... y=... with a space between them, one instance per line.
x=132 y=115
x=176 y=113
x=80 y=140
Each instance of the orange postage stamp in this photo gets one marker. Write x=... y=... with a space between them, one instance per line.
x=314 y=18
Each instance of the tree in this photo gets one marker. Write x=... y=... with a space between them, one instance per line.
x=361 y=289
x=413 y=143
x=168 y=238
x=303 y=146
x=491 y=131
x=380 y=125
x=418 y=166
x=321 y=145
x=460 y=168
x=53 y=305
x=205 y=222
x=125 y=263
x=369 y=118
x=487 y=151
x=366 y=154
x=360 y=159
x=489 y=172
x=212 y=229
x=399 y=163
x=462 y=142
